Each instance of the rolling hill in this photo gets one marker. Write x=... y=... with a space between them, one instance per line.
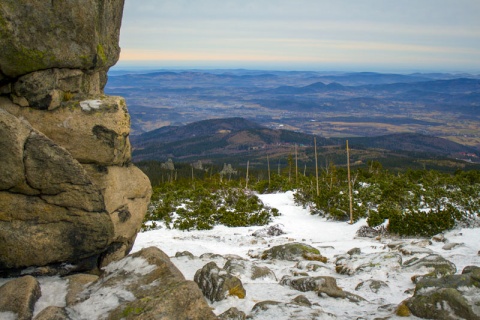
x=237 y=139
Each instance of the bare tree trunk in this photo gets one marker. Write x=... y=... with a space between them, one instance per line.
x=268 y=165
x=349 y=185
x=246 y=179
x=316 y=164
x=296 y=165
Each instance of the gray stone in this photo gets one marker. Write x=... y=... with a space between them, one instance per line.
x=409 y=250
x=290 y=251
x=373 y=285
x=371 y=232
x=439 y=238
x=232 y=314
x=210 y=255
x=287 y=311
x=451 y=245
x=470 y=269
x=187 y=254
x=270 y=231
x=433 y=265
x=321 y=285
x=302 y=300
x=354 y=251
x=19 y=296
x=259 y=272
x=346 y=264
x=246 y=269
x=216 y=284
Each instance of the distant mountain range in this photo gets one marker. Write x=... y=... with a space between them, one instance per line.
x=238 y=139
x=328 y=104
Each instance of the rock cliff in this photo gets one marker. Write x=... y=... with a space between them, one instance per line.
x=70 y=199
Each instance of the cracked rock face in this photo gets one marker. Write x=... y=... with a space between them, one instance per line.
x=70 y=200
x=50 y=211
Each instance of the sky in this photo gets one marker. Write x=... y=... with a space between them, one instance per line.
x=356 y=35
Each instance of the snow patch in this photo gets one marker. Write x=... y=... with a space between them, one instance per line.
x=54 y=291
x=88 y=105
x=137 y=265
x=8 y=316
x=100 y=303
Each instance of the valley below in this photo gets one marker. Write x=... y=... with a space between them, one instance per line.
x=326 y=104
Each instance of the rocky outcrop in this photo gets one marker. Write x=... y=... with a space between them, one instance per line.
x=69 y=195
x=51 y=212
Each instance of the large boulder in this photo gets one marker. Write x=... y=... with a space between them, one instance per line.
x=40 y=35
x=55 y=213
x=143 y=285
x=449 y=297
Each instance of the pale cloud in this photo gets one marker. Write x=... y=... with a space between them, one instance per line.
x=349 y=31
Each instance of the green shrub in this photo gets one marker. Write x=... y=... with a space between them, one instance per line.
x=204 y=205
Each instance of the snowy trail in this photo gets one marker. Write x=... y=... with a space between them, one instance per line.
x=296 y=221
x=330 y=237
x=305 y=227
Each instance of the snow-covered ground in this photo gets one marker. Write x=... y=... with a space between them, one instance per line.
x=331 y=238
